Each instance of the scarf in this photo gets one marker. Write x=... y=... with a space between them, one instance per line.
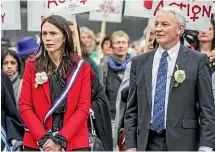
x=14 y=77
x=117 y=65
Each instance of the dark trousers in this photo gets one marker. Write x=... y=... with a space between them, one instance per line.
x=156 y=141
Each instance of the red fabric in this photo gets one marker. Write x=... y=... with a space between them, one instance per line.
x=122 y=140
x=35 y=103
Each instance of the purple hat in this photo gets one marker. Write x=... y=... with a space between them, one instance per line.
x=27 y=46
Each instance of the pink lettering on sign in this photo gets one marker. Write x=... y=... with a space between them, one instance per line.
x=160 y=5
x=83 y=1
x=55 y=2
x=147 y=4
x=2 y=17
x=194 y=12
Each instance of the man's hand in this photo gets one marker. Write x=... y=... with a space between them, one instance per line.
x=51 y=146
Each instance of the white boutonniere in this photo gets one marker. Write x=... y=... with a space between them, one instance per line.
x=40 y=78
x=179 y=76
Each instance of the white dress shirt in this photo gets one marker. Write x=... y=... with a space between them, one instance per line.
x=171 y=59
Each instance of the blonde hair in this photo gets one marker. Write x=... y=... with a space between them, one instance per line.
x=91 y=33
x=88 y=31
x=119 y=34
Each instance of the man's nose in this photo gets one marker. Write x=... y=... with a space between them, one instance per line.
x=158 y=28
x=120 y=45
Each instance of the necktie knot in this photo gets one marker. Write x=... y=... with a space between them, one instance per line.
x=165 y=54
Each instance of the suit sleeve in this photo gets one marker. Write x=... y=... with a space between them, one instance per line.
x=27 y=113
x=81 y=114
x=206 y=104
x=130 y=120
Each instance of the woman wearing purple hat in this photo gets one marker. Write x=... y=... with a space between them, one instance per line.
x=28 y=48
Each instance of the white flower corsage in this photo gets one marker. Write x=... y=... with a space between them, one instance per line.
x=179 y=76
x=40 y=78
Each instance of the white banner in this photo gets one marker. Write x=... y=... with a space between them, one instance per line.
x=36 y=17
x=110 y=11
x=71 y=6
x=197 y=12
x=10 y=15
x=138 y=8
x=213 y=11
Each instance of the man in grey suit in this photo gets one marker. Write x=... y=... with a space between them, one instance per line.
x=170 y=104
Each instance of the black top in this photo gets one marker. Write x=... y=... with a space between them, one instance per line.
x=211 y=64
x=57 y=84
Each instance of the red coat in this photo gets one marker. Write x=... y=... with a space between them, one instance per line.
x=35 y=103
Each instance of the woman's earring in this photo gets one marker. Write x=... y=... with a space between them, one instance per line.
x=44 y=53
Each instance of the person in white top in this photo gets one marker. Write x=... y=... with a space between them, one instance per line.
x=170 y=104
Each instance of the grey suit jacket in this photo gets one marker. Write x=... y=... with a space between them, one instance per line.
x=190 y=113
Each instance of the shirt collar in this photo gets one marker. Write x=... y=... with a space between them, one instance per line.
x=172 y=52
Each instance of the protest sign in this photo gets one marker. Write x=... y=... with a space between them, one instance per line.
x=10 y=15
x=36 y=17
x=198 y=13
x=138 y=8
x=71 y=6
x=110 y=11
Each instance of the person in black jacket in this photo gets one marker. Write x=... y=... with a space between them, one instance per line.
x=11 y=124
x=100 y=105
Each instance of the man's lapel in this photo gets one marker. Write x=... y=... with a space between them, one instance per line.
x=148 y=76
x=183 y=56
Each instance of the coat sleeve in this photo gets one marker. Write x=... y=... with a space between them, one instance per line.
x=13 y=124
x=130 y=119
x=206 y=104
x=120 y=105
x=81 y=114
x=27 y=113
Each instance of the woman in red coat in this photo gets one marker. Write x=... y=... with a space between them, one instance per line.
x=55 y=115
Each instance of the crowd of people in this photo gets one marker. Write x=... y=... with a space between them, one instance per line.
x=125 y=96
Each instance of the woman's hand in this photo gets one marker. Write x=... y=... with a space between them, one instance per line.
x=51 y=146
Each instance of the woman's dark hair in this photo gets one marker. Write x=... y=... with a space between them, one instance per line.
x=107 y=38
x=155 y=44
x=213 y=41
x=84 y=51
x=15 y=56
x=68 y=63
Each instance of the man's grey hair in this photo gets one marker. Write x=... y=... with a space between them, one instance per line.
x=180 y=18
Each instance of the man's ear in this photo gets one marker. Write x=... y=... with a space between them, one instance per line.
x=181 y=30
